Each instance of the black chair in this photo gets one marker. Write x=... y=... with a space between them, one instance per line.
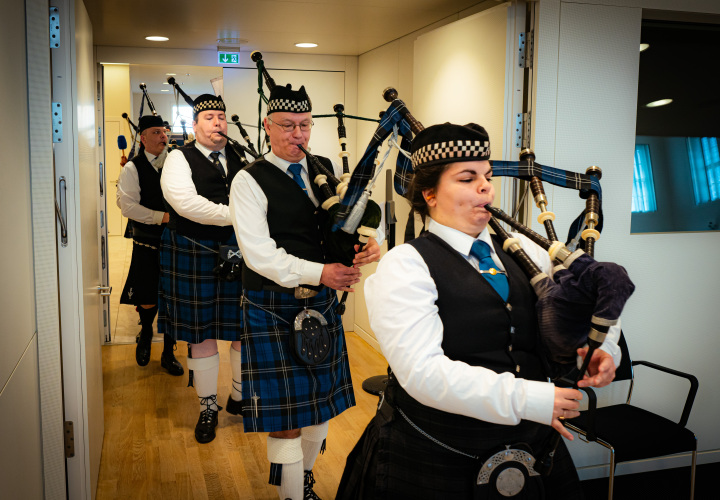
x=631 y=433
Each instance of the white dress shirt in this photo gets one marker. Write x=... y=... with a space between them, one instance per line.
x=248 y=212
x=128 y=192
x=401 y=298
x=180 y=192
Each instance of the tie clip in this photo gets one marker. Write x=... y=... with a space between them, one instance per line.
x=492 y=271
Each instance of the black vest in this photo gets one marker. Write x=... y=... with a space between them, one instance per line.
x=150 y=197
x=479 y=328
x=293 y=220
x=210 y=184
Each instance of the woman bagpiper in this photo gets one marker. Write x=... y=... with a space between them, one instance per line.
x=468 y=407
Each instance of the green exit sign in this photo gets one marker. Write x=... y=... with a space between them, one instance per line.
x=228 y=57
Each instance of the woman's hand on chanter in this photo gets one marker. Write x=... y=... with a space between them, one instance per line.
x=567 y=402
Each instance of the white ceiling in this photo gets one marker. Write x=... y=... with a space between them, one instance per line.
x=339 y=27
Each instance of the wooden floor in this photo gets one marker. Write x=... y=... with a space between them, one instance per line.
x=150 y=450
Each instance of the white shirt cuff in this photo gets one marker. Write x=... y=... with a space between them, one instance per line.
x=539 y=401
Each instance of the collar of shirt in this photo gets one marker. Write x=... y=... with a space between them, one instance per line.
x=284 y=164
x=206 y=151
x=156 y=161
x=463 y=242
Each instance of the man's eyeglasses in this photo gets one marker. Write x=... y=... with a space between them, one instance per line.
x=289 y=128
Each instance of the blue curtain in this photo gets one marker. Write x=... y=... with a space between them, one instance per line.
x=643 y=197
x=705 y=168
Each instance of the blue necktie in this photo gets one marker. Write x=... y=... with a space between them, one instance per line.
x=295 y=169
x=481 y=251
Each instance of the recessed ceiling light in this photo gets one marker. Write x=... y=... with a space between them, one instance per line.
x=306 y=45
x=165 y=83
x=644 y=46
x=170 y=74
x=157 y=38
x=165 y=90
x=661 y=102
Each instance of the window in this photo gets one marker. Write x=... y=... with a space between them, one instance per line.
x=643 y=197
x=705 y=168
x=184 y=112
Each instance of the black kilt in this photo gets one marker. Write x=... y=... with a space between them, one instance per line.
x=141 y=285
x=392 y=460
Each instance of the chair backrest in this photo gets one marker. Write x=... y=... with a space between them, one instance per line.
x=625 y=370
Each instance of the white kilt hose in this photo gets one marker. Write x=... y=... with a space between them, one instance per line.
x=280 y=393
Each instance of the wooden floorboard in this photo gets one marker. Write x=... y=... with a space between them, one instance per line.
x=149 y=449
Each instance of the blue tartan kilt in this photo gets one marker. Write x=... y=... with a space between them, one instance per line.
x=193 y=304
x=280 y=393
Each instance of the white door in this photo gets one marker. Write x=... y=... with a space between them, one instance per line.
x=79 y=254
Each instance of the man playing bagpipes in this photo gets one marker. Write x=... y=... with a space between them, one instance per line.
x=200 y=291
x=140 y=199
x=291 y=389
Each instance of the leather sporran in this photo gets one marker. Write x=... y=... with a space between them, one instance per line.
x=509 y=473
x=310 y=339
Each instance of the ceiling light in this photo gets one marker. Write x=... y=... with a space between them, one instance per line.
x=157 y=38
x=170 y=74
x=661 y=102
x=306 y=45
x=165 y=83
x=644 y=46
x=165 y=90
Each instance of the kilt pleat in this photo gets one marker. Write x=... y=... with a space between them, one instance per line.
x=193 y=304
x=280 y=393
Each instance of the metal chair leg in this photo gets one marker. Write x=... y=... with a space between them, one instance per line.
x=612 y=473
x=692 y=474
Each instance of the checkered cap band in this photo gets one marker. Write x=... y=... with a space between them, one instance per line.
x=288 y=105
x=447 y=151
x=209 y=105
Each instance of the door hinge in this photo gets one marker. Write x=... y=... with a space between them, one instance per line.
x=522 y=130
x=526 y=130
x=57 y=122
x=526 y=46
x=54 y=28
x=69 y=439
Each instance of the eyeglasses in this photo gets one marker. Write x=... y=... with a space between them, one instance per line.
x=289 y=128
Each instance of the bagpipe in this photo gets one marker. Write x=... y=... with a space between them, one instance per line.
x=584 y=298
x=351 y=220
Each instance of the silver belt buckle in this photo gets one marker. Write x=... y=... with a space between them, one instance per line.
x=304 y=293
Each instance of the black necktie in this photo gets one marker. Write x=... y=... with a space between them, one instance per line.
x=215 y=157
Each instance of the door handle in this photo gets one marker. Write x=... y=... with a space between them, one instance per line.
x=62 y=212
x=105 y=291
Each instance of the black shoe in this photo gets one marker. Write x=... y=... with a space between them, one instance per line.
x=309 y=494
x=205 y=428
x=142 y=350
x=234 y=407
x=171 y=365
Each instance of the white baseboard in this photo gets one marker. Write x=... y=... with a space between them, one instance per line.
x=367 y=338
x=671 y=462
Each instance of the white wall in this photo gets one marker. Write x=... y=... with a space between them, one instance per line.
x=391 y=65
x=587 y=74
x=20 y=432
